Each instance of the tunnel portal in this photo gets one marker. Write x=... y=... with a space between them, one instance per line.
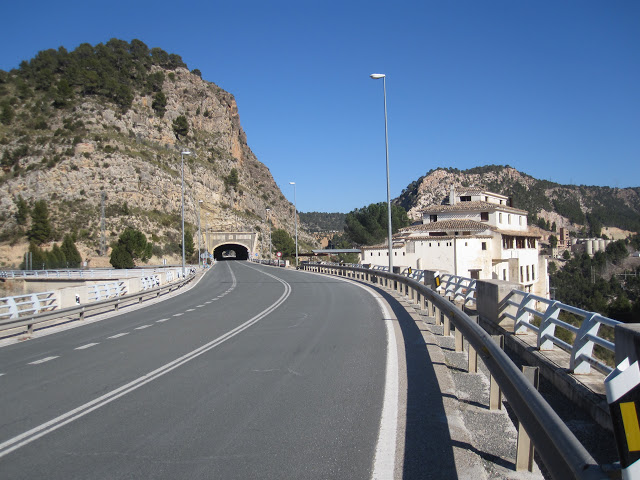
x=231 y=251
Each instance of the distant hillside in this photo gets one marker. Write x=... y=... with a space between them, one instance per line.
x=584 y=209
x=109 y=121
x=323 y=222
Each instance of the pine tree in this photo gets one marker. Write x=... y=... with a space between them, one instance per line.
x=40 y=231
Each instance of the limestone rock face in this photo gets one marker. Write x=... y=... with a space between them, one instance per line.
x=133 y=159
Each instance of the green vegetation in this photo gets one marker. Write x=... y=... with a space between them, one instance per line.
x=369 y=225
x=580 y=283
x=132 y=245
x=232 y=180
x=40 y=231
x=114 y=71
x=323 y=222
x=180 y=127
x=66 y=256
x=282 y=242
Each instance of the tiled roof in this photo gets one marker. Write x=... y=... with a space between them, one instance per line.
x=472 y=207
x=520 y=233
x=449 y=225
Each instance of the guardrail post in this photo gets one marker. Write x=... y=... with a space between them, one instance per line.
x=525 y=450
x=495 y=393
x=447 y=326
x=459 y=340
x=30 y=330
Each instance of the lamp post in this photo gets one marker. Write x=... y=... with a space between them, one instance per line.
x=295 y=217
x=182 y=154
x=268 y=210
x=377 y=76
x=199 y=235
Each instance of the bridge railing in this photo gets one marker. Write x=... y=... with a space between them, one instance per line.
x=10 y=326
x=561 y=452
x=541 y=316
x=86 y=274
x=103 y=291
x=29 y=304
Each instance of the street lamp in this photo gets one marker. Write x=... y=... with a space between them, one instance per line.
x=268 y=210
x=295 y=216
x=199 y=235
x=182 y=154
x=377 y=76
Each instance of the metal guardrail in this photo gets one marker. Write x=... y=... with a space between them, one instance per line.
x=561 y=452
x=32 y=303
x=80 y=311
x=586 y=334
x=86 y=274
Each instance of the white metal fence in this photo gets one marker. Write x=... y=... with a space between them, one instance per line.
x=29 y=304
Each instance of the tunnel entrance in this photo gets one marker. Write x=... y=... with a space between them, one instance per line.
x=231 y=251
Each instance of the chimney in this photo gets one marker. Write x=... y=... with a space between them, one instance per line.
x=452 y=196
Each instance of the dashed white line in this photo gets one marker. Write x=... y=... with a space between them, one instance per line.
x=178 y=314
x=190 y=309
x=119 y=335
x=162 y=320
x=199 y=306
x=142 y=327
x=88 y=345
x=207 y=303
x=42 y=360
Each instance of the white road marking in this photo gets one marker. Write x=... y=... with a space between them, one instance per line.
x=178 y=314
x=207 y=303
x=199 y=306
x=162 y=320
x=142 y=327
x=191 y=310
x=88 y=345
x=119 y=335
x=42 y=360
x=41 y=430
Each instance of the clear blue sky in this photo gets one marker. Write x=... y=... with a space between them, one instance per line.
x=551 y=88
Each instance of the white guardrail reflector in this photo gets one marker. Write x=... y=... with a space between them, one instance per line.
x=623 y=395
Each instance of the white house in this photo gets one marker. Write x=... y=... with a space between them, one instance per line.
x=475 y=234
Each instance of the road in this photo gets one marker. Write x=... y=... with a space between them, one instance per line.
x=256 y=372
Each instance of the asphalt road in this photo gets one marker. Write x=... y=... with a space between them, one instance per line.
x=256 y=372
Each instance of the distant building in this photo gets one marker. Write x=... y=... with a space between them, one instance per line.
x=475 y=234
x=564 y=241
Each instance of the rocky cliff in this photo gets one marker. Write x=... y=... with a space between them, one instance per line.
x=74 y=151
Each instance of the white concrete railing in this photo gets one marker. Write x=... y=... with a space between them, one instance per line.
x=29 y=304
x=530 y=307
x=104 y=291
x=460 y=288
x=88 y=274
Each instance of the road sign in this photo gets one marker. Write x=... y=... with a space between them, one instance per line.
x=279 y=254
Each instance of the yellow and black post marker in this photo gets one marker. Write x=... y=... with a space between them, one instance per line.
x=623 y=395
x=436 y=279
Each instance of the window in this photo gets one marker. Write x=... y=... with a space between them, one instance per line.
x=509 y=219
x=520 y=219
x=433 y=218
x=465 y=198
x=500 y=217
x=521 y=274
x=504 y=273
x=484 y=216
x=484 y=245
x=528 y=275
x=533 y=272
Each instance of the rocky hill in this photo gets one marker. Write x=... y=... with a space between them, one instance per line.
x=586 y=210
x=112 y=120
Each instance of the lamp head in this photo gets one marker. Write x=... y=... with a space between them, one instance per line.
x=292 y=183
x=185 y=152
x=377 y=76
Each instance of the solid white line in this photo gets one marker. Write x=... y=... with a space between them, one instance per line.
x=41 y=430
x=119 y=335
x=88 y=345
x=142 y=327
x=385 y=458
x=37 y=362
